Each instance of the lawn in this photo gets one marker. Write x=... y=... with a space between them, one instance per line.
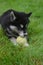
x=32 y=55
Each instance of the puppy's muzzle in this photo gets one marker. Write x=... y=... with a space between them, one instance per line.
x=22 y=34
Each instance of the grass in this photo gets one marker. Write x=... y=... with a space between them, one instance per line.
x=33 y=55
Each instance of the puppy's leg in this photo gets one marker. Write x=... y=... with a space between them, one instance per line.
x=13 y=40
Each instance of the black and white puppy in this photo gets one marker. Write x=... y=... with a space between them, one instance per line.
x=14 y=23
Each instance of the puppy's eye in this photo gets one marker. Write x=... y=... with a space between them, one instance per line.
x=21 y=26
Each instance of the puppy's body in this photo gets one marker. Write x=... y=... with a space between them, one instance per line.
x=14 y=19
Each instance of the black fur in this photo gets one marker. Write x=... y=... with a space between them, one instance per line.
x=7 y=19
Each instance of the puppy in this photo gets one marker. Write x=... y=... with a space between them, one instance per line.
x=15 y=23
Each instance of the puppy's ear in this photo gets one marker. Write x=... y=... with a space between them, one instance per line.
x=12 y=16
x=29 y=14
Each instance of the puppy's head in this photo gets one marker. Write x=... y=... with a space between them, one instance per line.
x=20 y=21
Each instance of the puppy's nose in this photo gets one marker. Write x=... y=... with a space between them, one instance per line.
x=25 y=34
